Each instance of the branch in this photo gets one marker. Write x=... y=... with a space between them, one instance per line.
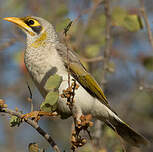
x=90 y=13
x=95 y=59
x=107 y=38
x=34 y=125
x=105 y=60
x=144 y=14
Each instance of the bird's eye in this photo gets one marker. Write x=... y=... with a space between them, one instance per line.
x=31 y=22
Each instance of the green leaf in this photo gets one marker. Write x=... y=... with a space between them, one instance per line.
x=53 y=82
x=131 y=22
x=52 y=85
x=92 y=50
x=15 y=121
x=50 y=103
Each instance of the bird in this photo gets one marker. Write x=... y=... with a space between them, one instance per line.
x=46 y=55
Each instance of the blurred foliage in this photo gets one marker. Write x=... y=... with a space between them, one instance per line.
x=63 y=24
x=62 y=10
x=127 y=68
x=148 y=63
x=90 y=52
x=131 y=22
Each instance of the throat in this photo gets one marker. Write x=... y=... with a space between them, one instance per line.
x=40 y=41
x=42 y=62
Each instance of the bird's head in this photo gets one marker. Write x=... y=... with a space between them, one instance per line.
x=36 y=28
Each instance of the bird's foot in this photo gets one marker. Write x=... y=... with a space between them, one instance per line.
x=35 y=115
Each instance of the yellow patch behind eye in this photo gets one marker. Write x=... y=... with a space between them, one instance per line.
x=36 y=23
x=40 y=41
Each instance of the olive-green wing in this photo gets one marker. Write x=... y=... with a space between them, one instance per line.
x=78 y=71
x=87 y=81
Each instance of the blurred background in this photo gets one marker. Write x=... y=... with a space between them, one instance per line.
x=127 y=78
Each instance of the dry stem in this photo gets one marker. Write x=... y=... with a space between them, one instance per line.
x=34 y=125
x=144 y=14
x=107 y=38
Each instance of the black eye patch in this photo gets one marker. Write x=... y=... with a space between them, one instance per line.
x=37 y=29
x=29 y=22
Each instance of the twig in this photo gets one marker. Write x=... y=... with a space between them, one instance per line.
x=106 y=57
x=68 y=66
x=30 y=98
x=69 y=93
x=95 y=59
x=71 y=89
x=66 y=29
x=81 y=122
x=90 y=13
x=107 y=38
x=144 y=14
x=35 y=126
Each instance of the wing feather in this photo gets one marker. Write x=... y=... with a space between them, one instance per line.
x=87 y=81
x=78 y=71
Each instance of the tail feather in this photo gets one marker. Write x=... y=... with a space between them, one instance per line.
x=127 y=133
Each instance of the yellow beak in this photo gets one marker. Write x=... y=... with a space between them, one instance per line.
x=20 y=22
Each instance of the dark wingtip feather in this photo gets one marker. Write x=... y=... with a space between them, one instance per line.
x=130 y=135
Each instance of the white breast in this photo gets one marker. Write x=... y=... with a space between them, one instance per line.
x=40 y=62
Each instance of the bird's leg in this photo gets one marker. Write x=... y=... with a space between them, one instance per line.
x=35 y=115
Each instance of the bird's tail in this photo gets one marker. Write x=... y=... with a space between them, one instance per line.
x=127 y=133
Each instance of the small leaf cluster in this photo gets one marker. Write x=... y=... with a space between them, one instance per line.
x=15 y=121
x=52 y=85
